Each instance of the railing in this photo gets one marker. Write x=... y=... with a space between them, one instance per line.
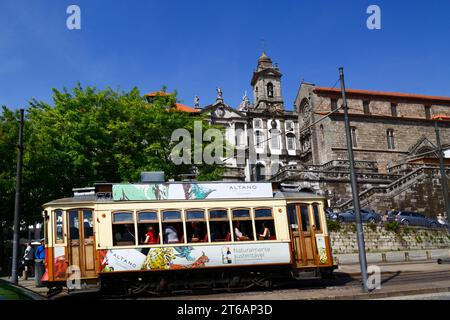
x=372 y=165
x=396 y=187
x=320 y=173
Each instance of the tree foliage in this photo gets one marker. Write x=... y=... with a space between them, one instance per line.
x=89 y=135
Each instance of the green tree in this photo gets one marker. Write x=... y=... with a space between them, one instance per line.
x=9 y=129
x=89 y=135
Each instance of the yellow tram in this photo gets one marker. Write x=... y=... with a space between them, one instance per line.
x=155 y=236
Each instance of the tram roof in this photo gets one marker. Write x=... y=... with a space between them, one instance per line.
x=94 y=198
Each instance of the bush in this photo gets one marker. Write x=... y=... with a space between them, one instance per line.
x=392 y=226
x=372 y=226
x=333 y=225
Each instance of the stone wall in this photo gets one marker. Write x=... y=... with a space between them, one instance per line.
x=381 y=240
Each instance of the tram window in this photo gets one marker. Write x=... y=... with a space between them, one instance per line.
x=171 y=215
x=74 y=225
x=123 y=229
x=219 y=225
x=218 y=214
x=59 y=226
x=264 y=224
x=172 y=227
x=148 y=227
x=305 y=218
x=147 y=216
x=265 y=229
x=316 y=211
x=241 y=213
x=123 y=217
x=242 y=225
x=196 y=226
x=292 y=215
x=263 y=213
x=195 y=215
x=88 y=224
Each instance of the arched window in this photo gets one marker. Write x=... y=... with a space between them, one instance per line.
x=258 y=138
x=275 y=139
x=260 y=172
x=270 y=90
x=290 y=139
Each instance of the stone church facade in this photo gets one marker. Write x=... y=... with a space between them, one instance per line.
x=263 y=133
x=305 y=149
x=394 y=141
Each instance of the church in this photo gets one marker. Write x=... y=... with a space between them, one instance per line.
x=264 y=134
x=393 y=137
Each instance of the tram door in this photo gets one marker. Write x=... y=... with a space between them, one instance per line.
x=81 y=241
x=302 y=225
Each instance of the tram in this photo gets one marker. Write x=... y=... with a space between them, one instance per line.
x=161 y=236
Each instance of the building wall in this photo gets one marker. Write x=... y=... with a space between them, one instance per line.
x=371 y=137
x=329 y=139
x=380 y=240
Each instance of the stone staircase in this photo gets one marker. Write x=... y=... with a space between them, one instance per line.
x=374 y=194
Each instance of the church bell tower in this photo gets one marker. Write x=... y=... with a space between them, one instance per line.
x=266 y=83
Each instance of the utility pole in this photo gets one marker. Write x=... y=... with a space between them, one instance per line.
x=442 y=169
x=17 y=204
x=355 y=192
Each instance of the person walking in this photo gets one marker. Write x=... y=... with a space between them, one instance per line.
x=28 y=258
x=39 y=264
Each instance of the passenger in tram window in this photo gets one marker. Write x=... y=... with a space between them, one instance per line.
x=170 y=234
x=123 y=234
x=266 y=228
x=265 y=234
x=238 y=234
x=220 y=231
x=128 y=235
x=196 y=232
x=150 y=236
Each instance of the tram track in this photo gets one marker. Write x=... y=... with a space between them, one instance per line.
x=338 y=285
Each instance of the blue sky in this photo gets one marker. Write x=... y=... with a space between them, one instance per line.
x=194 y=46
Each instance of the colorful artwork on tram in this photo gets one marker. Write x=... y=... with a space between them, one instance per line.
x=185 y=257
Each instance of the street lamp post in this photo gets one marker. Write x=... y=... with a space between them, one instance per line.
x=355 y=193
x=442 y=169
x=17 y=204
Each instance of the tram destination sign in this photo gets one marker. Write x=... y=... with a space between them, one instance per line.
x=191 y=191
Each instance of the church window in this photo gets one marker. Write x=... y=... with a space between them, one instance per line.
x=428 y=112
x=390 y=139
x=275 y=139
x=366 y=107
x=258 y=138
x=290 y=142
x=239 y=134
x=353 y=135
x=270 y=90
x=289 y=126
x=257 y=124
x=333 y=104
x=394 y=110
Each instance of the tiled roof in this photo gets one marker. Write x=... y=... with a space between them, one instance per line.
x=179 y=106
x=383 y=94
x=182 y=107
